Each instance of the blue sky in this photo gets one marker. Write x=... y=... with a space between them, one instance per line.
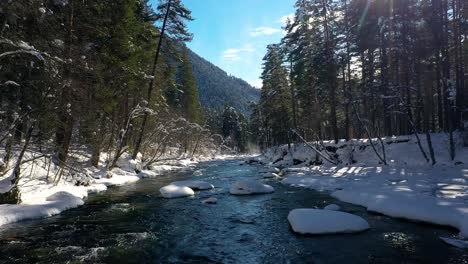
x=233 y=34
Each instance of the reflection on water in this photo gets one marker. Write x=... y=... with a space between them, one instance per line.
x=133 y=224
x=400 y=241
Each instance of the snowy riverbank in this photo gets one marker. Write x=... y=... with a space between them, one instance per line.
x=42 y=198
x=407 y=188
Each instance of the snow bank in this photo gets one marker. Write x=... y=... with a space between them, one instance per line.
x=196 y=185
x=41 y=198
x=15 y=213
x=408 y=187
x=455 y=242
x=250 y=187
x=319 y=222
x=437 y=195
x=401 y=150
x=174 y=191
x=410 y=206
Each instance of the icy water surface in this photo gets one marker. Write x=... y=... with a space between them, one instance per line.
x=133 y=224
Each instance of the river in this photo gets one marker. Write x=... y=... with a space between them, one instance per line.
x=133 y=224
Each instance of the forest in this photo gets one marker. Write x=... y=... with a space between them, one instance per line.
x=107 y=77
x=363 y=69
x=142 y=120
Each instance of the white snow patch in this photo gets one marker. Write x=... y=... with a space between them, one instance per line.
x=318 y=222
x=148 y=174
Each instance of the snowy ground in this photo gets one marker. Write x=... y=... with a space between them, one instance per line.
x=42 y=198
x=407 y=188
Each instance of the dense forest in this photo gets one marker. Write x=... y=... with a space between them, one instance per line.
x=109 y=77
x=360 y=69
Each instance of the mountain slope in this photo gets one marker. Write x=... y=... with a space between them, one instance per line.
x=218 y=89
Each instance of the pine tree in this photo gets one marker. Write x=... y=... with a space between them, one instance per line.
x=275 y=98
x=173 y=15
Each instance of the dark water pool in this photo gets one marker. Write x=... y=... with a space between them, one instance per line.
x=133 y=224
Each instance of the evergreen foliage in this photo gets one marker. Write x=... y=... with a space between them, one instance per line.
x=371 y=67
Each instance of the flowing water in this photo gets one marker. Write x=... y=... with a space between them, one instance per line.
x=133 y=224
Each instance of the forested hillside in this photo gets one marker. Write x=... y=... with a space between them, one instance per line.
x=96 y=76
x=218 y=89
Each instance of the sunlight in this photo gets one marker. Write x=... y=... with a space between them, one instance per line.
x=147 y=117
x=364 y=14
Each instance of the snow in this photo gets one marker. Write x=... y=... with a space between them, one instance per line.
x=174 y=191
x=250 y=187
x=407 y=188
x=196 y=185
x=332 y=207
x=400 y=151
x=42 y=198
x=319 y=222
x=62 y=196
x=128 y=164
x=148 y=174
x=12 y=83
x=211 y=200
x=463 y=244
x=422 y=195
x=14 y=213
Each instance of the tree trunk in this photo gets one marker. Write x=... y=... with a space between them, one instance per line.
x=151 y=83
x=13 y=196
x=65 y=120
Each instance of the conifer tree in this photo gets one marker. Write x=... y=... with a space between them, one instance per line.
x=172 y=14
x=275 y=99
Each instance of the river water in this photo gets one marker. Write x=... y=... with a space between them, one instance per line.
x=133 y=224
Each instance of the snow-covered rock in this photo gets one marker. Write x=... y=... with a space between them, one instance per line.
x=332 y=207
x=211 y=200
x=174 y=191
x=196 y=185
x=317 y=222
x=250 y=187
